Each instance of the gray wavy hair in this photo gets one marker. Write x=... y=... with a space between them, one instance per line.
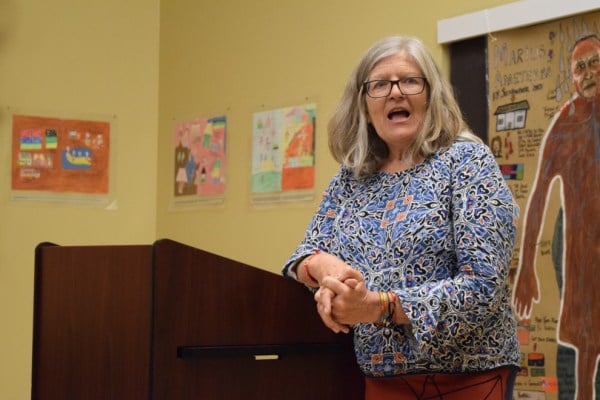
x=354 y=143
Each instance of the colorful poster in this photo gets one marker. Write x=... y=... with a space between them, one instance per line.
x=60 y=155
x=283 y=151
x=544 y=91
x=200 y=157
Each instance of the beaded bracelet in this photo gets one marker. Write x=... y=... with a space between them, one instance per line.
x=383 y=307
x=305 y=265
x=392 y=297
x=387 y=307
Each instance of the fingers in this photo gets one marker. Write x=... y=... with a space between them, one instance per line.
x=330 y=322
x=332 y=266
x=335 y=286
x=351 y=283
x=331 y=286
x=522 y=306
x=350 y=273
x=324 y=297
x=522 y=309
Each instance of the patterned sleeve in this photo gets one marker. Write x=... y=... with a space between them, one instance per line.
x=471 y=301
x=318 y=233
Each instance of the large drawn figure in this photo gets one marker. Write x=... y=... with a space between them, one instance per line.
x=570 y=156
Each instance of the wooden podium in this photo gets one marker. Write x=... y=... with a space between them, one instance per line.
x=168 y=321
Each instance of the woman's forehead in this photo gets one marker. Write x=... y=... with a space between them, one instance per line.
x=400 y=59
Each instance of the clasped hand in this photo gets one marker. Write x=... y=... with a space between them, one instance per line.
x=343 y=298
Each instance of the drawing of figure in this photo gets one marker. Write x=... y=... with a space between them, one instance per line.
x=202 y=168
x=497 y=147
x=570 y=155
x=181 y=156
x=190 y=168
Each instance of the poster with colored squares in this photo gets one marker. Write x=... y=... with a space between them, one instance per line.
x=60 y=156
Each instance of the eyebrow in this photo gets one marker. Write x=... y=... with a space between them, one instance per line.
x=378 y=77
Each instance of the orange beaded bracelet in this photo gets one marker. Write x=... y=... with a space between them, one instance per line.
x=305 y=265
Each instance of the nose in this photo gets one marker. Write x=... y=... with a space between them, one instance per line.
x=399 y=92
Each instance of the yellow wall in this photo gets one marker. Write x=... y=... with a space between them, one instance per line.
x=237 y=58
x=74 y=59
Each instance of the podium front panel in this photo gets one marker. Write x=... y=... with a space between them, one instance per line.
x=227 y=311
x=92 y=313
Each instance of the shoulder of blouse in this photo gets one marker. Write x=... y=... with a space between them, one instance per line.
x=462 y=147
x=460 y=152
x=343 y=176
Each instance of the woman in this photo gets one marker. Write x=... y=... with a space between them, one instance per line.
x=412 y=242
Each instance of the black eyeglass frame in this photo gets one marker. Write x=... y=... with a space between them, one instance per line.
x=396 y=82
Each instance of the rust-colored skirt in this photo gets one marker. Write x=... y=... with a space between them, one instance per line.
x=496 y=384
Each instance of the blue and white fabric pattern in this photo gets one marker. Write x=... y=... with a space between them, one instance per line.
x=441 y=236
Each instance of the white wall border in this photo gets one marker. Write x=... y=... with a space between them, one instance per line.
x=509 y=16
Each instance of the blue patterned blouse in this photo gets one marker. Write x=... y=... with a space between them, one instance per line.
x=441 y=236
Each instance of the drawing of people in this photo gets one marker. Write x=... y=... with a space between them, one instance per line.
x=202 y=167
x=570 y=155
x=216 y=171
x=497 y=147
x=181 y=156
x=190 y=169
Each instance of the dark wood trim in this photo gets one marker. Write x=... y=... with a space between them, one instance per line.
x=468 y=76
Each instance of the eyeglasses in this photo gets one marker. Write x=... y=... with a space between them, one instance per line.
x=382 y=87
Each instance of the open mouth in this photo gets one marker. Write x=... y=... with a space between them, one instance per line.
x=398 y=114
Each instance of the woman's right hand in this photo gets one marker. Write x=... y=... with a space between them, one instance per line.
x=322 y=265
